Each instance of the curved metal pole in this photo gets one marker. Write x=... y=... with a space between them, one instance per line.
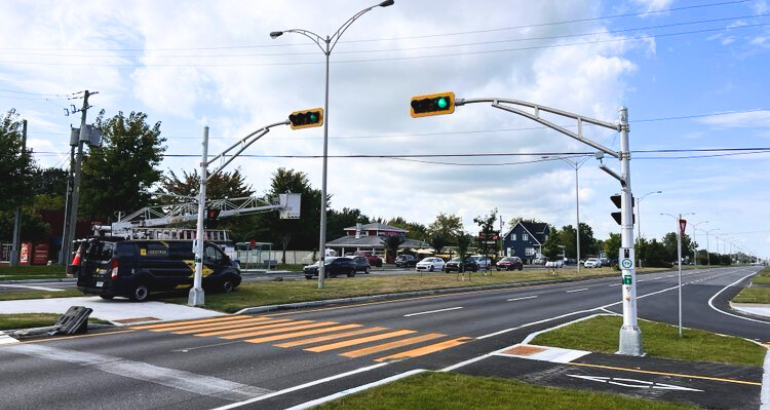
x=309 y=34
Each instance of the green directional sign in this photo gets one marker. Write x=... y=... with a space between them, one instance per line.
x=627 y=280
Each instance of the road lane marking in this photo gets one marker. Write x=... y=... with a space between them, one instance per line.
x=711 y=301
x=181 y=323
x=689 y=376
x=6 y=340
x=522 y=298
x=300 y=387
x=271 y=325
x=391 y=345
x=331 y=337
x=425 y=350
x=182 y=380
x=433 y=311
x=187 y=349
x=634 y=383
x=362 y=340
x=279 y=330
x=577 y=290
x=300 y=334
x=31 y=287
x=212 y=327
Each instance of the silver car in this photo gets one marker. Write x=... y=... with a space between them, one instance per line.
x=483 y=262
x=430 y=264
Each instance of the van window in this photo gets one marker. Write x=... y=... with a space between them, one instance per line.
x=100 y=251
x=214 y=255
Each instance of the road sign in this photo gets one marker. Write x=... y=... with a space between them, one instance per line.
x=682 y=225
x=627 y=280
x=626 y=263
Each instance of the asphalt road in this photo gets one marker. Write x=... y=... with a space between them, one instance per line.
x=282 y=360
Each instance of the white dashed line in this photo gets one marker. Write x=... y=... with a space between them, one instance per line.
x=524 y=298
x=433 y=311
x=577 y=290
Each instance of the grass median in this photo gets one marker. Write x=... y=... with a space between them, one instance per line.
x=449 y=391
x=251 y=294
x=758 y=291
x=32 y=272
x=28 y=320
x=600 y=334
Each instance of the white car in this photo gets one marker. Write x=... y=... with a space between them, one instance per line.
x=484 y=262
x=592 y=263
x=430 y=265
x=555 y=264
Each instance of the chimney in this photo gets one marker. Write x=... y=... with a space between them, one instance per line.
x=358 y=230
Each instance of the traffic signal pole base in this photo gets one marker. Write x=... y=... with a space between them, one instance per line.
x=631 y=341
x=196 y=298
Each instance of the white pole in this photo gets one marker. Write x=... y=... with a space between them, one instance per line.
x=577 y=214
x=679 y=258
x=630 y=334
x=197 y=296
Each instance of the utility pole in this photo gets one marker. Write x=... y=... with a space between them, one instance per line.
x=16 y=247
x=73 y=218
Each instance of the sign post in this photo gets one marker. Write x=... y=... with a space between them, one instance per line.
x=682 y=226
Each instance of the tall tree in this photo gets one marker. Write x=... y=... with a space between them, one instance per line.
x=518 y=219
x=552 y=248
x=447 y=226
x=337 y=221
x=391 y=245
x=118 y=175
x=417 y=231
x=612 y=246
x=222 y=185
x=486 y=225
x=670 y=243
x=49 y=181
x=438 y=243
x=464 y=241
x=16 y=165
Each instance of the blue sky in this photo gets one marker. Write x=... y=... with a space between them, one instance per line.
x=214 y=64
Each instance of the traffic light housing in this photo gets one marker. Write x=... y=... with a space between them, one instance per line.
x=433 y=104
x=617 y=215
x=307 y=118
x=212 y=218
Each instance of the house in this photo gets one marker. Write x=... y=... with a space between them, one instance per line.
x=371 y=237
x=525 y=240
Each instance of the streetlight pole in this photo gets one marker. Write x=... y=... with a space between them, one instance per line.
x=679 y=232
x=708 y=247
x=329 y=43
x=576 y=165
x=639 y=219
x=694 y=246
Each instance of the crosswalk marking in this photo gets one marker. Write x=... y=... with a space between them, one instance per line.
x=422 y=351
x=362 y=340
x=265 y=325
x=273 y=331
x=392 y=345
x=300 y=334
x=217 y=326
x=189 y=322
x=325 y=338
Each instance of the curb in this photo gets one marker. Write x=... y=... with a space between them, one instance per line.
x=736 y=307
x=39 y=280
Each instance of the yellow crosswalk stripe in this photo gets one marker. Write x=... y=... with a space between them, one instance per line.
x=362 y=340
x=217 y=326
x=264 y=325
x=422 y=351
x=274 y=331
x=392 y=345
x=300 y=334
x=325 y=338
x=187 y=322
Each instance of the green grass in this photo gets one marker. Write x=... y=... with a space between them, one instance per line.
x=32 y=272
x=600 y=334
x=756 y=294
x=27 y=320
x=449 y=391
x=251 y=294
x=38 y=294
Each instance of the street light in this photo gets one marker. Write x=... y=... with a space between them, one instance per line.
x=639 y=212
x=694 y=246
x=679 y=232
x=329 y=43
x=708 y=248
x=576 y=164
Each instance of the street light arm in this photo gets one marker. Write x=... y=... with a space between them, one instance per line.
x=340 y=31
x=245 y=142
x=309 y=34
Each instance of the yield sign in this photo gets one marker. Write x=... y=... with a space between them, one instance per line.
x=682 y=224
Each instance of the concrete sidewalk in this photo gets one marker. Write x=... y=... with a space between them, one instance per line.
x=756 y=309
x=120 y=312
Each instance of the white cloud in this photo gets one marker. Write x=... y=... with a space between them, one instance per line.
x=654 y=5
x=756 y=119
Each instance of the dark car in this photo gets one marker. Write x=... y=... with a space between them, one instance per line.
x=112 y=267
x=510 y=263
x=333 y=268
x=362 y=264
x=456 y=264
x=406 y=261
x=373 y=259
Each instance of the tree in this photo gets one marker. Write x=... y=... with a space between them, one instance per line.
x=438 y=243
x=518 y=219
x=612 y=245
x=463 y=243
x=33 y=228
x=49 y=181
x=552 y=248
x=670 y=243
x=118 y=175
x=392 y=243
x=447 y=226
x=221 y=185
x=337 y=221
x=418 y=231
x=16 y=165
x=486 y=225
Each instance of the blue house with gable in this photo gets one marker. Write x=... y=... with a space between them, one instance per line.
x=525 y=240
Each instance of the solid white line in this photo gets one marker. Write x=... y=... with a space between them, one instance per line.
x=765 y=393
x=433 y=311
x=577 y=290
x=31 y=287
x=344 y=393
x=524 y=298
x=711 y=301
x=534 y=323
x=532 y=336
x=301 y=386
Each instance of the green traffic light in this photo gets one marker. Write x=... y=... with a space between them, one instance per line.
x=313 y=117
x=442 y=103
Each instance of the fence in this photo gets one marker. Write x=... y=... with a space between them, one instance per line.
x=260 y=259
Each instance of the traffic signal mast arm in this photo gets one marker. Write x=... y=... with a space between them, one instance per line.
x=244 y=143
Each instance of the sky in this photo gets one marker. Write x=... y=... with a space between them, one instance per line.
x=693 y=75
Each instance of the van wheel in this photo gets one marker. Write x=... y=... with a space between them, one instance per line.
x=107 y=297
x=228 y=286
x=140 y=293
x=368 y=270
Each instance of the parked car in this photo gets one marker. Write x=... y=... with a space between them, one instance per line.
x=510 y=263
x=539 y=261
x=405 y=261
x=483 y=262
x=373 y=259
x=592 y=263
x=457 y=264
x=559 y=263
x=333 y=268
x=113 y=266
x=362 y=264
x=430 y=264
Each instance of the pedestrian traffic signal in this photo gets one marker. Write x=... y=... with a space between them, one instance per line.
x=307 y=118
x=212 y=218
x=433 y=104
x=617 y=215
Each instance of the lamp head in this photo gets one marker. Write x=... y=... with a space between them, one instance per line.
x=276 y=34
x=386 y=3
